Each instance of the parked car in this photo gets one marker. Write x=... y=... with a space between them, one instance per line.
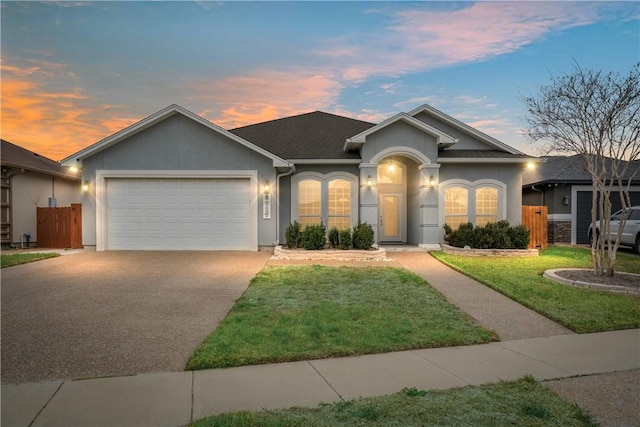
x=630 y=233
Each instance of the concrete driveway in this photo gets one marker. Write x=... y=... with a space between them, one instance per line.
x=96 y=314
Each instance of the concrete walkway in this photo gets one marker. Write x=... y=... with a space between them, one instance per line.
x=509 y=319
x=174 y=399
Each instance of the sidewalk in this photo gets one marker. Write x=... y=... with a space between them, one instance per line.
x=174 y=399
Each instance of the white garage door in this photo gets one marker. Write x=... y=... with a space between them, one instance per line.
x=185 y=213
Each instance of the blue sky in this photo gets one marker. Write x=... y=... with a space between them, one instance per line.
x=76 y=72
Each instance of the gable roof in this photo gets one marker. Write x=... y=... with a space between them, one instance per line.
x=465 y=128
x=315 y=135
x=12 y=155
x=358 y=140
x=567 y=170
x=156 y=118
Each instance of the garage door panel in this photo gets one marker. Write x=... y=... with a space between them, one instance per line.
x=189 y=213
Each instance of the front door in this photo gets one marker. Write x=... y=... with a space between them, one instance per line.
x=389 y=210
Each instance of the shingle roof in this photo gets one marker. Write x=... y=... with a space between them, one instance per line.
x=479 y=154
x=565 y=169
x=15 y=156
x=315 y=135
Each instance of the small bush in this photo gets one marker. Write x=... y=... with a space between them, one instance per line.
x=292 y=235
x=334 y=237
x=314 y=237
x=345 y=239
x=362 y=236
x=498 y=235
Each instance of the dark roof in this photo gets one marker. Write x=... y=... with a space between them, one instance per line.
x=12 y=155
x=479 y=154
x=566 y=170
x=315 y=135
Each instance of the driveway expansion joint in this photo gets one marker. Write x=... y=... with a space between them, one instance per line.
x=310 y=362
x=47 y=403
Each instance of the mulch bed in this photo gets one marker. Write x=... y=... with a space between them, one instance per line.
x=619 y=279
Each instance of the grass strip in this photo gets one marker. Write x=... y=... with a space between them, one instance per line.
x=17 y=259
x=524 y=402
x=582 y=310
x=311 y=312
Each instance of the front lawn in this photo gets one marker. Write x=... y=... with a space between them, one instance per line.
x=17 y=259
x=310 y=312
x=517 y=403
x=581 y=310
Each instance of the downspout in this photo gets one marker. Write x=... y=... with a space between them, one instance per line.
x=533 y=187
x=292 y=169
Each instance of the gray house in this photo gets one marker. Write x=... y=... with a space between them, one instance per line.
x=562 y=184
x=31 y=181
x=177 y=181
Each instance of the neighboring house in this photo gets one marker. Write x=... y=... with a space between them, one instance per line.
x=29 y=181
x=562 y=184
x=177 y=181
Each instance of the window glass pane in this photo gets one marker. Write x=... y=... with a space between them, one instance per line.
x=309 y=198
x=486 y=205
x=389 y=173
x=341 y=222
x=308 y=220
x=455 y=206
x=339 y=197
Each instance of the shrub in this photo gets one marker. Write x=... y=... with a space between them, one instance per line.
x=314 y=237
x=334 y=237
x=499 y=235
x=345 y=239
x=292 y=235
x=362 y=236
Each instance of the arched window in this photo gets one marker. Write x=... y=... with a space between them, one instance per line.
x=456 y=206
x=330 y=198
x=486 y=205
x=309 y=197
x=339 y=204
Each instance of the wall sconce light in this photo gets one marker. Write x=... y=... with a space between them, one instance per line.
x=566 y=200
x=267 y=187
x=85 y=186
x=369 y=181
x=432 y=181
x=73 y=169
x=531 y=165
x=392 y=167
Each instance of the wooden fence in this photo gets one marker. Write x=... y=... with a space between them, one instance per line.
x=60 y=227
x=535 y=219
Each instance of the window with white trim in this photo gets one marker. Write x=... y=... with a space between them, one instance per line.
x=486 y=205
x=479 y=202
x=330 y=198
x=456 y=206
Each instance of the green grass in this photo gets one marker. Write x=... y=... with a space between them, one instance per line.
x=582 y=310
x=523 y=403
x=17 y=259
x=308 y=312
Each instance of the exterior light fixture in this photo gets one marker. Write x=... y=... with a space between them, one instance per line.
x=432 y=181
x=267 y=187
x=392 y=167
x=369 y=181
x=85 y=186
x=565 y=200
x=73 y=169
x=531 y=166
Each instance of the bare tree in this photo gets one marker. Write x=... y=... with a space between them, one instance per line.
x=597 y=116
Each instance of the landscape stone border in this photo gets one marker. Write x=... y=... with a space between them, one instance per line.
x=379 y=254
x=551 y=275
x=489 y=252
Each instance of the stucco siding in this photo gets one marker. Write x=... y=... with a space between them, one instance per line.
x=508 y=174
x=399 y=134
x=465 y=141
x=413 y=202
x=178 y=144
x=32 y=190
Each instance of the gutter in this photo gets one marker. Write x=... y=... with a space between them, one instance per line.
x=292 y=169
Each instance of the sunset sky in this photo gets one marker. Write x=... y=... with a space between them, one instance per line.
x=74 y=73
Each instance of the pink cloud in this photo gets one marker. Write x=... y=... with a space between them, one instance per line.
x=269 y=94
